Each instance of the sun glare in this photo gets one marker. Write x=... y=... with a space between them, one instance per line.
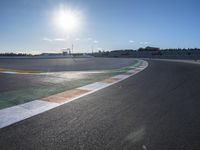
x=67 y=20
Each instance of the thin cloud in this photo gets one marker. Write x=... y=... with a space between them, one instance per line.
x=77 y=39
x=95 y=41
x=60 y=39
x=144 y=43
x=141 y=43
x=47 y=39
x=131 y=41
x=54 y=40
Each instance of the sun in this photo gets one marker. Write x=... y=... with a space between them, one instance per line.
x=67 y=20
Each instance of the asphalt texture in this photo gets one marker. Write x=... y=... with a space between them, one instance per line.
x=11 y=82
x=157 y=109
x=65 y=64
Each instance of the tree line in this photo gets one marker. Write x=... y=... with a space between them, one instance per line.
x=15 y=54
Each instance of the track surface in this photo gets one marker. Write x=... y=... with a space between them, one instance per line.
x=11 y=82
x=157 y=109
x=66 y=64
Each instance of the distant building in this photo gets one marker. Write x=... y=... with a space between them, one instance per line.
x=66 y=51
x=51 y=54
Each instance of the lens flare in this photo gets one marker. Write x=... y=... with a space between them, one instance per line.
x=67 y=20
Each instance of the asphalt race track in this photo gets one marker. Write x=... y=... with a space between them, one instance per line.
x=11 y=82
x=65 y=64
x=157 y=109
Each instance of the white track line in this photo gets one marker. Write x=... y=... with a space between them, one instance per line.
x=122 y=77
x=17 y=113
x=94 y=86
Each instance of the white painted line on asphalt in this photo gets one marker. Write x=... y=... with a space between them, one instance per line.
x=122 y=77
x=131 y=71
x=8 y=72
x=18 y=113
x=13 y=114
x=38 y=104
x=94 y=86
x=141 y=67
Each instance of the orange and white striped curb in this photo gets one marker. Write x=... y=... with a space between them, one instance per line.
x=18 y=113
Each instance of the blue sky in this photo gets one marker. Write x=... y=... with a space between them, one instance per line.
x=27 y=25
